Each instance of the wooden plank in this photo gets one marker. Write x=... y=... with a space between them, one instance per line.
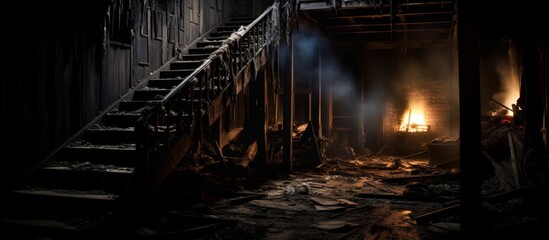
x=403 y=197
x=419 y=177
x=513 y=157
x=275 y=205
x=250 y=153
x=415 y=154
x=79 y=195
x=243 y=199
x=322 y=208
x=425 y=218
x=325 y=201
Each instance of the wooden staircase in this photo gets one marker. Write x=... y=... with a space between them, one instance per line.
x=91 y=175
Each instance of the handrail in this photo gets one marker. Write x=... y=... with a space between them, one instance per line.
x=164 y=122
x=209 y=59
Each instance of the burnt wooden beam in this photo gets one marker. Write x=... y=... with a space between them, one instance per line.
x=249 y=154
x=470 y=119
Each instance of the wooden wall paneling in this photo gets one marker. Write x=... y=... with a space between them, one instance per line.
x=212 y=15
x=182 y=17
x=195 y=20
x=59 y=79
x=156 y=38
x=91 y=80
x=141 y=63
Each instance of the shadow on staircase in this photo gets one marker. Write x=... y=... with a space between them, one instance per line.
x=130 y=149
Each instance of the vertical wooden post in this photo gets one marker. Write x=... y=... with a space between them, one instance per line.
x=325 y=101
x=469 y=106
x=289 y=110
x=263 y=99
x=316 y=96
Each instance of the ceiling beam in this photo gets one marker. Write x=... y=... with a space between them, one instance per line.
x=386 y=15
x=400 y=44
x=440 y=30
x=322 y=5
x=338 y=26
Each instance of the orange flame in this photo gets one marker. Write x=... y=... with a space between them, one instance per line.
x=509 y=75
x=413 y=119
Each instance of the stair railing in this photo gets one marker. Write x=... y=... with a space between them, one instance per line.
x=181 y=112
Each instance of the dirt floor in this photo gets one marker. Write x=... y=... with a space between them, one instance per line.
x=370 y=198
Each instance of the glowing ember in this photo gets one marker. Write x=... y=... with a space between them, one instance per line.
x=413 y=119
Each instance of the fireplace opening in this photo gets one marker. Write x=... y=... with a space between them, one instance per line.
x=419 y=100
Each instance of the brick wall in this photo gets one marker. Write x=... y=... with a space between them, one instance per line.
x=433 y=94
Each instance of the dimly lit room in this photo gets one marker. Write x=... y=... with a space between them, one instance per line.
x=275 y=119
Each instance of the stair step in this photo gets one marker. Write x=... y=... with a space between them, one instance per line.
x=203 y=50
x=60 y=202
x=164 y=83
x=221 y=34
x=219 y=38
x=243 y=18
x=83 y=176
x=100 y=134
x=238 y=23
x=195 y=56
x=230 y=28
x=122 y=155
x=216 y=43
x=176 y=73
x=185 y=65
x=150 y=94
x=121 y=119
x=132 y=105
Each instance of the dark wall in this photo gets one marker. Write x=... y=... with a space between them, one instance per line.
x=54 y=81
x=70 y=60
